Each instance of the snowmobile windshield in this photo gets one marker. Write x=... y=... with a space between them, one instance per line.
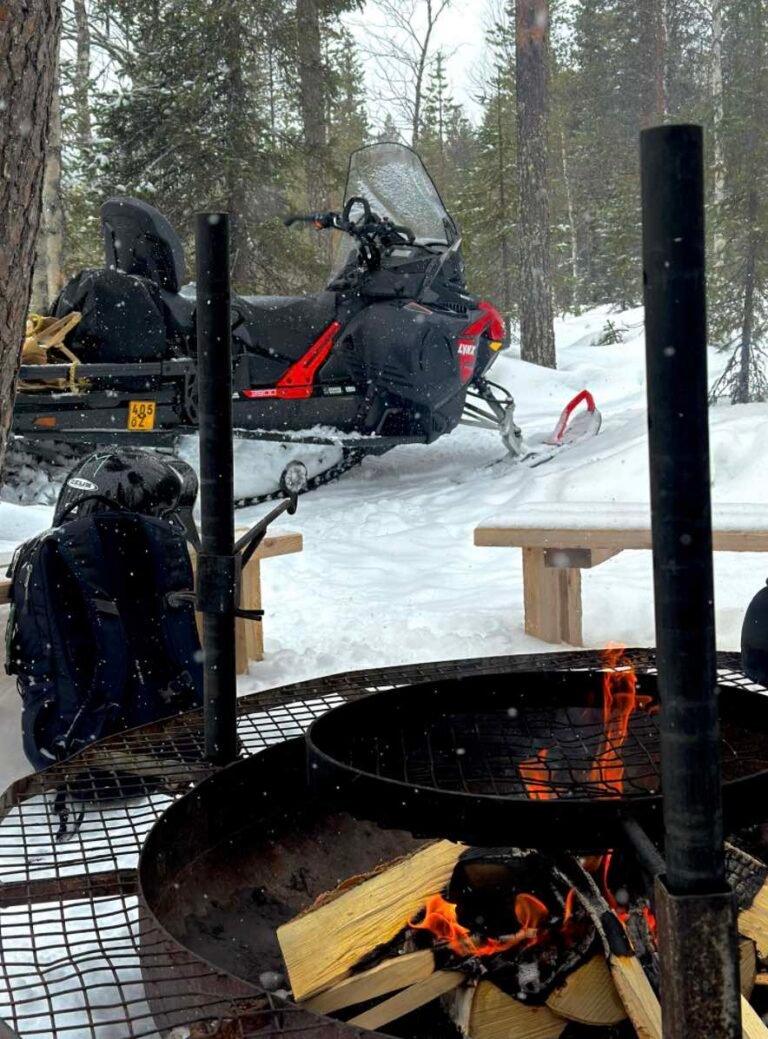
x=395 y=182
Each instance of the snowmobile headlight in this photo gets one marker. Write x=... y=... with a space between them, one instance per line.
x=496 y=344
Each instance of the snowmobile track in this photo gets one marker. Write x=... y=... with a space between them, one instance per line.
x=350 y=459
x=58 y=457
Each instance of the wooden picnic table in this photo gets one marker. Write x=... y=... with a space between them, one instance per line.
x=560 y=539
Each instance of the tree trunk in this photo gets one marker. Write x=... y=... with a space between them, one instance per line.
x=742 y=389
x=237 y=197
x=537 y=337
x=654 y=47
x=82 y=81
x=47 y=280
x=29 y=38
x=506 y=278
x=312 y=102
x=574 y=293
x=421 y=70
x=718 y=113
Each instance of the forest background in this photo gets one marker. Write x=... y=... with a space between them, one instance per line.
x=253 y=106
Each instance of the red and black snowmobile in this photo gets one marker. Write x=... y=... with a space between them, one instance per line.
x=395 y=350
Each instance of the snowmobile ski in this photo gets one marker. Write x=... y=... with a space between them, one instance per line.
x=569 y=431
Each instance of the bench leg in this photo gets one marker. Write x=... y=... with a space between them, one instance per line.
x=552 y=597
x=249 y=639
x=252 y=631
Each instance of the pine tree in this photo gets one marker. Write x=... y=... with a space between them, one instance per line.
x=740 y=312
x=488 y=200
x=193 y=131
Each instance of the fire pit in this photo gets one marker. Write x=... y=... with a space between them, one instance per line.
x=234 y=871
x=562 y=758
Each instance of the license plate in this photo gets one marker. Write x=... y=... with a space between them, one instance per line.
x=141 y=414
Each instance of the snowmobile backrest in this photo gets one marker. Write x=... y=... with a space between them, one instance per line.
x=139 y=240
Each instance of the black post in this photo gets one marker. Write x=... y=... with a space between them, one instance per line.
x=697 y=936
x=217 y=577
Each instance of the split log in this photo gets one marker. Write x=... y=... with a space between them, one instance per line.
x=437 y=984
x=747 y=966
x=322 y=945
x=483 y=1011
x=639 y=999
x=752 y=1026
x=753 y=921
x=588 y=996
x=389 y=976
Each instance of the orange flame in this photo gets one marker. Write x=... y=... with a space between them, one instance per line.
x=620 y=699
x=536 y=775
x=570 y=903
x=442 y=921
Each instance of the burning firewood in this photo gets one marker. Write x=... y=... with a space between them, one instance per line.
x=640 y=1001
x=504 y=938
x=322 y=945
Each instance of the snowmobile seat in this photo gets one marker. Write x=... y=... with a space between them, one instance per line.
x=286 y=326
x=139 y=240
x=179 y=315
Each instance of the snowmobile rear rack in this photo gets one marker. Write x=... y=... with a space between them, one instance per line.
x=162 y=369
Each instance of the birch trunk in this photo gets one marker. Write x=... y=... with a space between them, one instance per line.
x=716 y=90
x=571 y=220
x=82 y=75
x=29 y=39
x=48 y=278
x=742 y=392
x=537 y=336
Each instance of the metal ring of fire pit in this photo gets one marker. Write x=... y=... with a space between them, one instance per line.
x=529 y=758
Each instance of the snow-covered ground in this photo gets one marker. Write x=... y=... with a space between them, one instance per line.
x=389 y=573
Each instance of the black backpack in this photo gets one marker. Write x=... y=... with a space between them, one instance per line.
x=99 y=636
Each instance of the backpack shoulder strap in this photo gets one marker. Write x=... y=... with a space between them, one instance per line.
x=172 y=571
x=79 y=546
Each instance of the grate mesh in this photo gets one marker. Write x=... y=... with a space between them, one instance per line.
x=527 y=740
x=495 y=754
x=69 y=915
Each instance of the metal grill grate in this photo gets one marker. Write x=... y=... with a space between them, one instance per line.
x=524 y=737
x=494 y=753
x=69 y=916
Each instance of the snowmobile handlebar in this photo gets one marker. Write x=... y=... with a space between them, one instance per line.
x=369 y=226
x=320 y=220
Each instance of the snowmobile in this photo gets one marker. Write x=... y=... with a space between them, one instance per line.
x=395 y=349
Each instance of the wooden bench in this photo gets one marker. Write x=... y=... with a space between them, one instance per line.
x=249 y=635
x=560 y=539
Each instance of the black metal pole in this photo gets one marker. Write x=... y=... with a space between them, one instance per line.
x=699 y=969
x=217 y=564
